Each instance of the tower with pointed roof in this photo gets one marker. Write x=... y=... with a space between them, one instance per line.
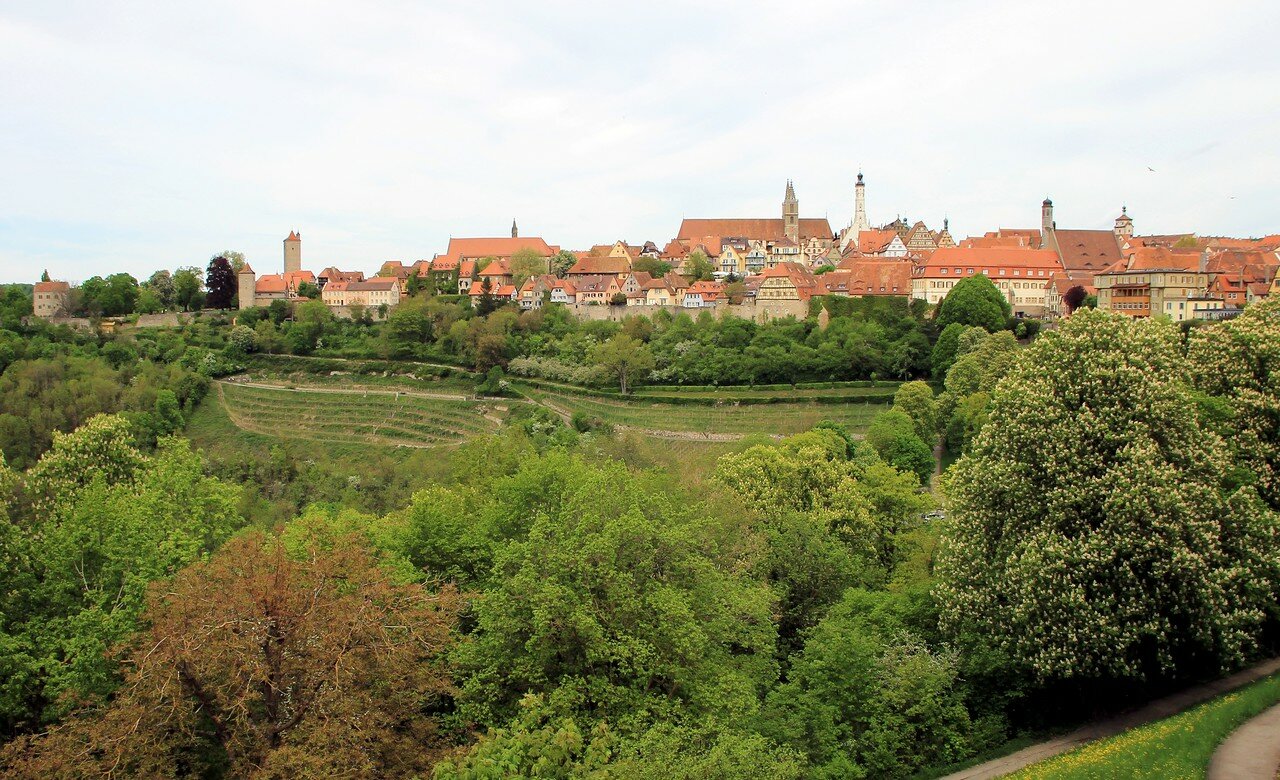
x=860 y=222
x=514 y=232
x=1048 y=239
x=246 y=287
x=791 y=214
x=293 y=252
x=1124 y=224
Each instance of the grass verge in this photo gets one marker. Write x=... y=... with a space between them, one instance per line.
x=1176 y=747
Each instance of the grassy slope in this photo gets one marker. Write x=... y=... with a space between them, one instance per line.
x=353 y=418
x=1176 y=747
x=780 y=418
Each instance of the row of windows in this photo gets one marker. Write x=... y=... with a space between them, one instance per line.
x=987 y=271
x=1131 y=306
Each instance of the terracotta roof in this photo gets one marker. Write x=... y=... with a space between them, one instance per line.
x=982 y=259
x=271 y=283
x=245 y=268
x=601 y=265
x=1087 y=250
x=295 y=278
x=293 y=236
x=444 y=264
x=51 y=287
x=1152 y=258
x=876 y=276
x=766 y=229
x=499 y=267
x=594 y=283
x=872 y=241
x=338 y=286
x=376 y=283
x=466 y=269
x=477 y=248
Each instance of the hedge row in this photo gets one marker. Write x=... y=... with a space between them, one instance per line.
x=320 y=365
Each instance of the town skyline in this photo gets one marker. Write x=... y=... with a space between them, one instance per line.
x=152 y=138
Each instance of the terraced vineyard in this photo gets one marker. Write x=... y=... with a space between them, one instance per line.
x=726 y=420
x=386 y=419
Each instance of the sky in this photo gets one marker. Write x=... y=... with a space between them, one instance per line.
x=140 y=136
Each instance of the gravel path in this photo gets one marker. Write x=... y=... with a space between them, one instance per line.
x=1252 y=752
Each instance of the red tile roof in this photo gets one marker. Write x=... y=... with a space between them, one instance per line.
x=877 y=276
x=600 y=265
x=763 y=229
x=478 y=248
x=51 y=287
x=981 y=259
x=1087 y=250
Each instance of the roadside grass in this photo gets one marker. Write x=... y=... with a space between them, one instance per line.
x=1176 y=747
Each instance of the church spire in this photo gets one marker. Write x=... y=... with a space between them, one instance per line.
x=515 y=233
x=791 y=214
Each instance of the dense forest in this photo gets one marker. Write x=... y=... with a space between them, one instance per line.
x=546 y=602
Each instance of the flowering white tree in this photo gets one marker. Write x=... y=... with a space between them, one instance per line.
x=1088 y=533
x=1239 y=361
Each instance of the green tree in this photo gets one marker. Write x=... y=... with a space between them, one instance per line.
x=976 y=301
x=1238 y=361
x=652 y=266
x=108 y=521
x=915 y=399
x=698 y=267
x=526 y=262
x=308 y=290
x=187 y=286
x=562 y=262
x=893 y=435
x=624 y=357
x=15 y=306
x=408 y=329
x=616 y=590
x=161 y=283
x=1088 y=536
x=868 y=698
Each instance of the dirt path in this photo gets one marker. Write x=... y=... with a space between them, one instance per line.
x=1252 y=752
x=1156 y=710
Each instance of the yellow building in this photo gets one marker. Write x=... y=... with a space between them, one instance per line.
x=1175 y=293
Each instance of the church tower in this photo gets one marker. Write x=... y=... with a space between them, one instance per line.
x=791 y=214
x=514 y=232
x=860 y=222
x=293 y=252
x=1124 y=224
x=1048 y=238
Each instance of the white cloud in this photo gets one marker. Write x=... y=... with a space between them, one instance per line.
x=141 y=135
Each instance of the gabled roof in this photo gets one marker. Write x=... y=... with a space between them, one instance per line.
x=600 y=265
x=499 y=267
x=1087 y=250
x=477 y=248
x=994 y=257
x=593 y=283
x=893 y=274
x=51 y=287
x=377 y=283
x=760 y=229
x=271 y=283
x=872 y=241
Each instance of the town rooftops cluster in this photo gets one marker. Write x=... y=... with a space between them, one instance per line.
x=788 y=259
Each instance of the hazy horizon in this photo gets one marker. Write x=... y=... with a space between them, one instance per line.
x=143 y=137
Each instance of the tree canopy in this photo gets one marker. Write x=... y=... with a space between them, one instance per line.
x=976 y=301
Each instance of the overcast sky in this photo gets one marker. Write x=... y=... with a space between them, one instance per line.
x=137 y=136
